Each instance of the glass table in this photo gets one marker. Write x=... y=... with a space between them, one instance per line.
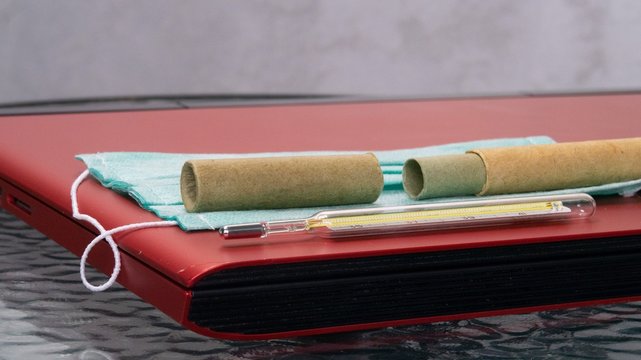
x=45 y=312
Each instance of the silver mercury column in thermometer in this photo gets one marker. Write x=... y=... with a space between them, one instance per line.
x=425 y=217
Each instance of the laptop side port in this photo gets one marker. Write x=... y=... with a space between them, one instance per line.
x=19 y=204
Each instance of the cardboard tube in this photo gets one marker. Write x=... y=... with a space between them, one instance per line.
x=521 y=169
x=560 y=166
x=280 y=182
x=442 y=176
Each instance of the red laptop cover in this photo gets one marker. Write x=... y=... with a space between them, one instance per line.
x=172 y=269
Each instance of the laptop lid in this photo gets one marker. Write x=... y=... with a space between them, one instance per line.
x=38 y=166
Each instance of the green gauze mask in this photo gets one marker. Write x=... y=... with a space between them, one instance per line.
x=153 y=180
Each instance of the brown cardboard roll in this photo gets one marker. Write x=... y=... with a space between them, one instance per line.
x=521 y=169
x=560 y=166
x=280 y=182
x=442 y=176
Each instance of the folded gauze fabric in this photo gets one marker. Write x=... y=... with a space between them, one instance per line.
x=153 y=180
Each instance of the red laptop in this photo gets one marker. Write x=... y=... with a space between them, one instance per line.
x=294 y=288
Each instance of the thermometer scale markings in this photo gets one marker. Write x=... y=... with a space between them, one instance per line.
x=443 y=215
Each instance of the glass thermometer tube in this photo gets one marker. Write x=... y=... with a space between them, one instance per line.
x=415 y=218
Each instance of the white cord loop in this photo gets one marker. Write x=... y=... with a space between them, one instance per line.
x=104 y=234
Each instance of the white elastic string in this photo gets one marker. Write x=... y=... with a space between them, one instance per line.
x=104 y=234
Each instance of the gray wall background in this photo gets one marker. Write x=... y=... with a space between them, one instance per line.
x=83 y=48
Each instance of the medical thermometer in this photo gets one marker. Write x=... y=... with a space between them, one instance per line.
x=415 y=218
